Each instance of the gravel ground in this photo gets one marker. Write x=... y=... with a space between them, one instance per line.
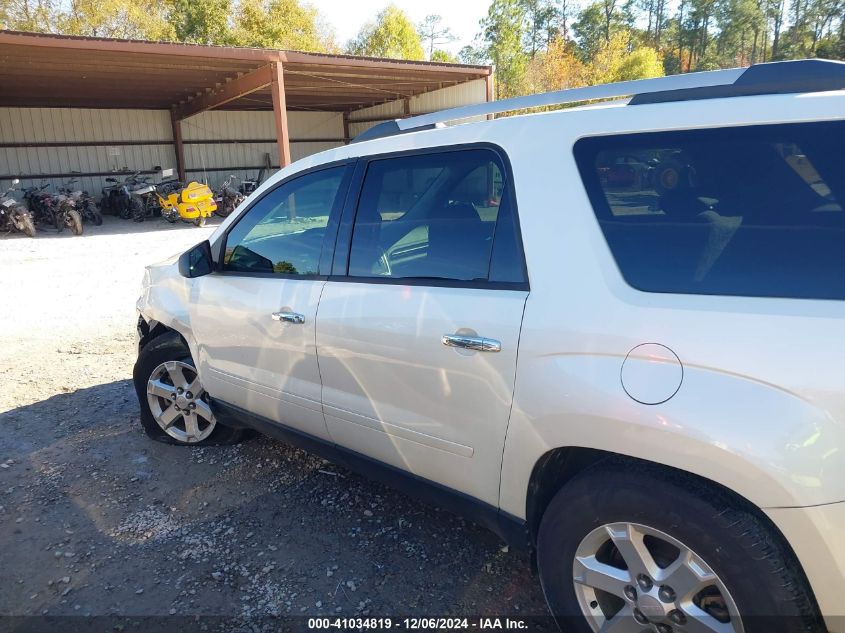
x=97 y=520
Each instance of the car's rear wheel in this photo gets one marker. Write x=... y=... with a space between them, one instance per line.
x=175 y=407
x=622 y=551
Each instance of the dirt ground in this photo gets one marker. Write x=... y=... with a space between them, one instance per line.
x=96 y=520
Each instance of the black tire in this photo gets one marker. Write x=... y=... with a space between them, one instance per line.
x=23 y=223
x=92 y=213
x=73 y=220
x=200 y=221
x=167 y=347
x=137 y=211
x=125 y=208
x=58 y=220
x=756 y=565
x=224 y=209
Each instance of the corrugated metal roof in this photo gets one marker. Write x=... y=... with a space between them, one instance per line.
x=65 y=71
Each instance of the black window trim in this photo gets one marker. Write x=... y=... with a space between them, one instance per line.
x=340 y=267
x=326 y=255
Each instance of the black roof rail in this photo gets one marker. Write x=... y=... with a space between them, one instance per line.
x=804 y=75
x=771 y=78
x=389 y=128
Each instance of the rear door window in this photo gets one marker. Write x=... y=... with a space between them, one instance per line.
x=437 y=216
x=755 y=211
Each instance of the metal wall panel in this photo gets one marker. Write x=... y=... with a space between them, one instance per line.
x=223 y=125
x=254 y=133
x=463 y=94
x=74 y=125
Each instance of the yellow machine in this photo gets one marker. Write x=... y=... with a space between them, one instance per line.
x=193 y=203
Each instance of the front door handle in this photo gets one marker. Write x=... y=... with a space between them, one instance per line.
x=475 y=343
x=288 y=317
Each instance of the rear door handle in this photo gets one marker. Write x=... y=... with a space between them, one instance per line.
x=288 y=317
x=475 y=343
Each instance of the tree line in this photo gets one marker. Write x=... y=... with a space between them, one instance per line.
x=535 y=45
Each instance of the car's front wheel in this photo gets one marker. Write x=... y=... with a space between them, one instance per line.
x=174 y=405
x=627 y=551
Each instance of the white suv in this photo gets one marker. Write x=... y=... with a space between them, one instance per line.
x=612 y=334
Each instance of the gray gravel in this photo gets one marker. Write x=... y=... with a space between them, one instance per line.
x=95 y=519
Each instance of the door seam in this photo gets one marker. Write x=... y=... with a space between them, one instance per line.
x=317 y=356
x=513 y=399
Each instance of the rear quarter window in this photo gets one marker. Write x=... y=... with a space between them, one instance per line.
x=754 y=211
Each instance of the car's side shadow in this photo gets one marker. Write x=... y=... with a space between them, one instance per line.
x=98 y=519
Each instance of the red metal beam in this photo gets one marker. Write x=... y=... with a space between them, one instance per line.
x=226 y=92
x=489 y=81
x=280 y=113
x=178 y=147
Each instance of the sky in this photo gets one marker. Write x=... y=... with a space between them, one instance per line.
x=461 y=16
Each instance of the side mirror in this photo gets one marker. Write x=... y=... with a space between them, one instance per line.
x=197 y=261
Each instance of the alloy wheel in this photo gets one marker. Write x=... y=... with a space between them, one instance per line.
x=630 y=578
x=179 y=403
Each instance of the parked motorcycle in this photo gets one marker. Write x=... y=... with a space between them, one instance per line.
x=56 y=210
x=84 y=202
x=67 y=215
x=41 y=206
x=228 y=199
x=117 y=196
x=193 y=202
x=143 y=200
x=13 y=215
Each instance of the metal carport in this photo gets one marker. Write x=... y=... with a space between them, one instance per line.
x=82 y=77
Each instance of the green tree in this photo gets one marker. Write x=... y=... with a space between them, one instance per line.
x=37 y=16
x=202 y=21
x=277 y=24
x=616 y=61
x=127 y=19
x=596 y=25
x=540 y=16
x=641 y=63
x=474 y=55
x=391 y=35
x=502 y=32
x=439 y=55
x=432 y=34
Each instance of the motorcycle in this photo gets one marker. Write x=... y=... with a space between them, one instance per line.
x=67 y=215
x=13 y=215
x=192 y=203
x=84 y=203
x=58 y=210
x=41 y=205
x=117 y=196
x=143 y=200
x=229 y=199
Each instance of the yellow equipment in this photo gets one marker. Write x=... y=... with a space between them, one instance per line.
x=193 y=203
